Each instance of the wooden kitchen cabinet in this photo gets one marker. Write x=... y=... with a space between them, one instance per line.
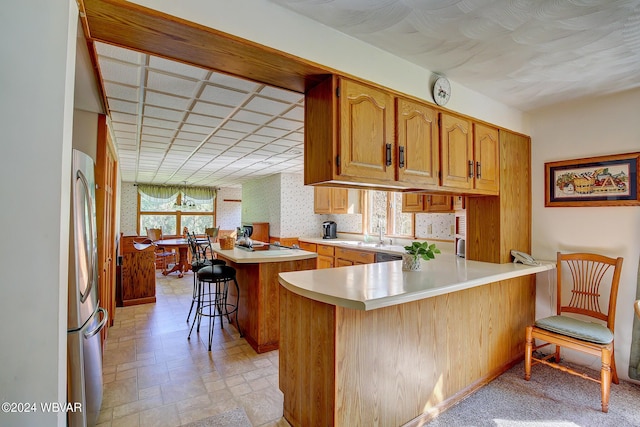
x=326 y=255
x=138 y=281
x=470 y=154
x=345 y=256
x=328 y=200
x=425 y=203
x=418 y=146
x=306 y=246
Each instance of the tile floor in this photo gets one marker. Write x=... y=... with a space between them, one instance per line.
x=154 y=376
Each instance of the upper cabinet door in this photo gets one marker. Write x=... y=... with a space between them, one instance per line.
x=487 y=157
x=339 y=200
x=412 y=202
x=457 y=152
x=366 y=132
x=322 y=200
x=418 y=150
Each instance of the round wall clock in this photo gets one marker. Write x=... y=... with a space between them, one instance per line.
x=441 y=90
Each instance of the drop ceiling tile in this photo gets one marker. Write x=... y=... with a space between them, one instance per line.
x=159 y=123
x=280 y=94
x=115 y=52
x=222 y=96
x=167 y=101
x=190 y=136
x=123 y=117
x=269 y=131
x=287 y=142
x=116 y=105
x=286 y=124
x=296 y=113
x=252 y=117
x=249 y=144
x=173 y=85
x=239 y=126
x=127 y=135
x=124 y=127
x=266 y=106
x=191 y=144
x=212 y=109
x=150 y=144
x=120 y=72
x=224 y=133
x=151 y=130
x=120 y=91
x=199 y=119
x=156 y=138
x=239 y=150
x=164 y=113
x=260 y=138
x=201 y=130
x=220 y=141
x=233 y=82
x=273 y=148
x=177 y=68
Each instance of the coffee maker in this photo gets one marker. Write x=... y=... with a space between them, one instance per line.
x=329 y=230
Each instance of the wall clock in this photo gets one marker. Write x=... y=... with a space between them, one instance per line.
x=441 y=90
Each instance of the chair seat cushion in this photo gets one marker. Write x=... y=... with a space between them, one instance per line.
x=197 y=265
x=587 y=331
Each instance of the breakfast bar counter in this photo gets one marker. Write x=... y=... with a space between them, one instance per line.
x=257 y=274
x=374 y=345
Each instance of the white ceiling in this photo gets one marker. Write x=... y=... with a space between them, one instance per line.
x=175 y=123
x=523 y=53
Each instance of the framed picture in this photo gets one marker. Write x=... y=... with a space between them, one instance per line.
x=594 y=181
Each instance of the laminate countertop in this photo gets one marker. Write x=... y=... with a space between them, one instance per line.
x=372 y=286
x=243 y=256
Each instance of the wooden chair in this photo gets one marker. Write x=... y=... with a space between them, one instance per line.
x=164 y=257
x=589 y=273
x=212 y=233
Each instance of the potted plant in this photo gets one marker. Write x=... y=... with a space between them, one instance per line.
x=417 y=250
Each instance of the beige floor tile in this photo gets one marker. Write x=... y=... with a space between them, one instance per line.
x=163 y=416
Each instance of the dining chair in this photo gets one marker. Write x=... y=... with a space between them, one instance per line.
x=590 y=276
x=212 y=232
x=164 y=256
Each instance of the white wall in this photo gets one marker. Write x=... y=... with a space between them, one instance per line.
x=228 y=213
x=36 y=118
x=271 y=25
x=608 y=125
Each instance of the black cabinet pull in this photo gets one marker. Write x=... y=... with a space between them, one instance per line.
x=388 y=154
x=478 y=174
x=401 y=161
x=470 y=168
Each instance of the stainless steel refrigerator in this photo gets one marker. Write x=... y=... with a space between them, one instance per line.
x=85 y=318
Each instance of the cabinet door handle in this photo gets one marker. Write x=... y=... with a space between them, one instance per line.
x=478 y=174
x=470 y=168
x=401 y=161
x=388 y=155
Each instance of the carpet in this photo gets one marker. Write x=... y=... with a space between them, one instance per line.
x=234 y=418
x=550 y=399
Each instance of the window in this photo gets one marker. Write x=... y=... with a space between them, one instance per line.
x=172 y=215
x=384 y=208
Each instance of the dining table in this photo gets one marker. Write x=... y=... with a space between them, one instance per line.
x=182 y=245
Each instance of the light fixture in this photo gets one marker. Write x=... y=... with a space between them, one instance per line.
x=184 y=205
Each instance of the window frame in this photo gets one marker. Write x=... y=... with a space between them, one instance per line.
x=390 y=218
x=178 y=214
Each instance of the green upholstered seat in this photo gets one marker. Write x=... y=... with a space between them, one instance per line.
x=579 y=329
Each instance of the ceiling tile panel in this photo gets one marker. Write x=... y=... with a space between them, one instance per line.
x=283 y=95
x=212 y=109
x=267 y=106
x=120 y=72
x=116 y=105
x=151 y=130
x=233 y=82
x=159 y=123
x=107 y=51
x=177 y=68
x=164 y=113
x=222 y=96
x=167 y=101
x=120 y=91
x=169 y=84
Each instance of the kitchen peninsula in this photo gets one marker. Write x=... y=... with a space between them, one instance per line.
x=374 y=345
x=257 y=274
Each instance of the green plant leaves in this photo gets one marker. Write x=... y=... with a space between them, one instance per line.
x=423 y=250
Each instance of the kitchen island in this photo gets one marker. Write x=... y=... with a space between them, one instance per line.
x=257 y=274
x=374 y=345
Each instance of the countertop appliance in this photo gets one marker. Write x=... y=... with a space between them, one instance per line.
x=329 y=230
x=85 y=318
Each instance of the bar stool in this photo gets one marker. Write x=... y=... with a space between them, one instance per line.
x=213 y=289
x=199 y=260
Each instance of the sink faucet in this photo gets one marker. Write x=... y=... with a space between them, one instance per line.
x=380 y=240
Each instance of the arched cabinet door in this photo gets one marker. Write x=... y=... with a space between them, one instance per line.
x=366 y=143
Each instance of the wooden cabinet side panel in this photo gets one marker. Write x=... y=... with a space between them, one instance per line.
x=457 y=151
x=515 y=194
x=366 y=127
x=417 y=133
x=487 y=158
x=320 y=136
x=307 y=360
x=395 y=363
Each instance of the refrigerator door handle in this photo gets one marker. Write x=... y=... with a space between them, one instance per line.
x=105 y=317
x=88 y=199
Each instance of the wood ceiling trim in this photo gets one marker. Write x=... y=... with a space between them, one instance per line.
x=139 y=28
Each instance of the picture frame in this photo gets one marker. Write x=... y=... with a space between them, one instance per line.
x=593 y=181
